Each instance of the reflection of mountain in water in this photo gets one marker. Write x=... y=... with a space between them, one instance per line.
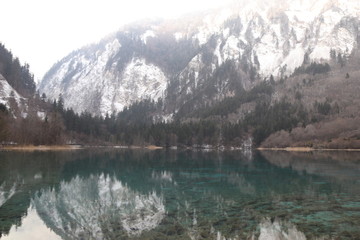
x=185 y=195
x=21 y=175
x=337 y=165
x=272 y=230
x=98 y=207
x=278 y=230
x=7 y=190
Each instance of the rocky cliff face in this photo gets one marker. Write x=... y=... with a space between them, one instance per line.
x=196 y=61
x=11 y=98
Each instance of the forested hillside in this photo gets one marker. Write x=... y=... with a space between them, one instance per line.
x=318 y=106
x=240 y=76
x=25 y=116
x=17 y=75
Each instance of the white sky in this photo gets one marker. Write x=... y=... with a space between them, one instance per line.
x=41 y=32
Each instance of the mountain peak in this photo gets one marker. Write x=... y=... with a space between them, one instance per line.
x=175 y=61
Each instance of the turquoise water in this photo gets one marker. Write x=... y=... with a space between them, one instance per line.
x=138 y=194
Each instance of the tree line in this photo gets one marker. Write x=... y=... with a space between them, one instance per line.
x=49 y=122
x=135 y=125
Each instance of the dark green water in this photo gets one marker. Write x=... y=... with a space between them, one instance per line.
x=179 y=195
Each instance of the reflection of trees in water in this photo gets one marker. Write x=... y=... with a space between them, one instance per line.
x=262 y=189
x=44 y=170
x=240 y=181
x=204 y=195
x=270 y=230
x=278 y=230
x=21 y=175
x=341 y=166
x=330 y=200
x=98 y=207
x=7 y=190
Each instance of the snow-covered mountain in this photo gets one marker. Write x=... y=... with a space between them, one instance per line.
x=201 y=59
x=103 y=208
x=7 y=92
x=11 y=98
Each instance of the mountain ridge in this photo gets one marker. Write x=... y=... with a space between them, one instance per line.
x=221 y=53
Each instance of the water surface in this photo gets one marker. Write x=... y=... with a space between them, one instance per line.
x=179 y=195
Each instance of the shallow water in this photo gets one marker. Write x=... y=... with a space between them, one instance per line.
x=179 y=195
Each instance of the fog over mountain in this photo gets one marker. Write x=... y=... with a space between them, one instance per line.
x=207 y=56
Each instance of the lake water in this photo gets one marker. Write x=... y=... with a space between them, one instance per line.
x=138 y=194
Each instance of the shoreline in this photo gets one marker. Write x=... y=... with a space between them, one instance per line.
x=308 y=149
x=153 y=147
x=41 y=148
x=70 y=147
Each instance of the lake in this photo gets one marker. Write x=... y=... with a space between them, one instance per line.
x=175 y=194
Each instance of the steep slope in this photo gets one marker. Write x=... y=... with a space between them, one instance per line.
x=9 y=96
x=334 y=103
x=16 y=83
x=17 y=75
x=94 y=83
x=25 y=117
x=199 y=60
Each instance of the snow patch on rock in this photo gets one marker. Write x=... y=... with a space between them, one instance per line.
x=146 y=35
x=139 y=81
x=96 y=206
x=7 y=92
x=98 y=87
